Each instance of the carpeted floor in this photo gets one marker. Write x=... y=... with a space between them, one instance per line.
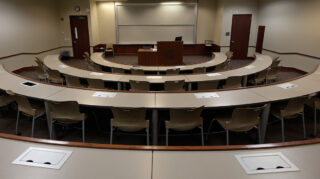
x=97 y=125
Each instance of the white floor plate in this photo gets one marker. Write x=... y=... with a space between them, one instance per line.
x=266 y=163
x=41 y=157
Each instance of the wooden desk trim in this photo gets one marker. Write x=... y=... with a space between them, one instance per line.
x=161 y=148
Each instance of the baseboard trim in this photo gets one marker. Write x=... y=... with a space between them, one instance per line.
x=33 y=53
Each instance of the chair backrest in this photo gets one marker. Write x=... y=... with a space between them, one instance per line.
x=39 y=70
x=222 y=66
x=273 y=73
x=208 y=85
x=276 y=58
x=275 y=64
x=174 y=85
x=173 y=71
x=137 y=71
x=199 y=70
x=233 y=82
x=87 y=55
x=95 y=83
x=229 y=54
x=261 y=76
x=39 y=62
x=109 y=46
x=185 y=115
x=246 y=117
x=23 y=103
x=293 y=107
x=65 y=111
x=317 y=103
x=117 y=70
x=92 y=66
x=139 y=85
x=129 y=115
x=86 y=58
x=73 y=81
x=53 y=74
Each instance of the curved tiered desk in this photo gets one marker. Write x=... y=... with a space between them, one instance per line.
x=157 y=162
x=260 y=63
x=99 y=59
x=304 y=85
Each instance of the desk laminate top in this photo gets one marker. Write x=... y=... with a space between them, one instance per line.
x=218 y=59
x=304 y=85
x=262 y=62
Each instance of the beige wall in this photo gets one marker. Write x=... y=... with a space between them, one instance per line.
x=205 y=26
x=27 y=26
x=206 y=20
x=94 y=22
x=66 y=9
x=219 y=9
x=231 y=7
x=292 y=26
x=107 y=23
x=34 y=26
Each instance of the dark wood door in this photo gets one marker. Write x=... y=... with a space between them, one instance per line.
x=80 y=35
x=260 y=39
x=240 y=35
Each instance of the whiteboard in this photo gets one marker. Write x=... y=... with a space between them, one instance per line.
x=152 y=34
x=147 y=23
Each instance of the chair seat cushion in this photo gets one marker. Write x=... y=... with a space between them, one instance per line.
x=130 y=126
x=5 y=100
x=236 y=127
x=184 y=126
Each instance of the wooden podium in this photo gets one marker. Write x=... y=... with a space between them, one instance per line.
x=169 y=53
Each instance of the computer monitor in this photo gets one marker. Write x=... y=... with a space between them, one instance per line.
x=178 y=38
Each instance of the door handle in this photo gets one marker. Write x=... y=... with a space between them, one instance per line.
x=232 y=41
x=76 y=33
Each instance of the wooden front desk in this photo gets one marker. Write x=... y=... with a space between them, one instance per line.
x=147 y=57
x=168 y=54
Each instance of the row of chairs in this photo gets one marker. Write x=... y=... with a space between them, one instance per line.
x=231 y=82
x=66 y=113
x=46 y=74
x=175 y=71
x=54 y=76
x=268 y=75
x=133 y=120
x=240 y=120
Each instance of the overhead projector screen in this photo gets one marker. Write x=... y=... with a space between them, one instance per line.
x=149 y=23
